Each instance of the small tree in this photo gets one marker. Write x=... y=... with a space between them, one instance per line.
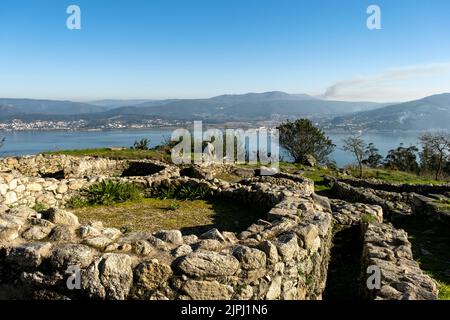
x=435 y=151
x=301 y=139
x=356 y=145
x=142 y=144
x=404 y=159
x=372 y=159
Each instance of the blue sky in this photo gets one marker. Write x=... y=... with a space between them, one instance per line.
x=201 y=48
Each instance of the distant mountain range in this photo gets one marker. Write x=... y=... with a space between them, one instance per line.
x=430 y=112
x=251 y=106
x=13 y=107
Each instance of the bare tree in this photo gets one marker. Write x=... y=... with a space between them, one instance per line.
x=356 y=145
x=436 y=147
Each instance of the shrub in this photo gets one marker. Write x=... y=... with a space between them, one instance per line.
x=193 y=193
x=76 y=202
x=106 y=193
x=142 y=144
x=164 y=193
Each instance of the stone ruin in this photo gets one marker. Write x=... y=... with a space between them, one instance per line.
x=285 y=255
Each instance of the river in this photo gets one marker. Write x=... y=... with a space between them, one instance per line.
x=32 y=142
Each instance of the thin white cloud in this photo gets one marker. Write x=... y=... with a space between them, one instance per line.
x=397 y=84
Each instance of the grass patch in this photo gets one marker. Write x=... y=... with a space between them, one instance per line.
x=393 y=176
x=443 y=204
x=125 y=154
x=191 y=217
x=317 y=175
x=431 y=243
x=40 y=208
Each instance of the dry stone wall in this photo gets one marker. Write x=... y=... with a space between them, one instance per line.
x=282 y=257
x=27 y=186
x=386 y=249
x=429 y=208
x=401 y=277
x=397 y=187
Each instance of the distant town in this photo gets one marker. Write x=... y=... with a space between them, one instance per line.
x=78 y=125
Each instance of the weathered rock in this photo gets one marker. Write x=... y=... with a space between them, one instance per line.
x=109 y=277
x=63 y=233
x=98 y=242
x=29 y=255
x=36 y=233
x=207 y=290
x=151 y=274
x=67 y=255
x=271 y=252
x=10 y=198
x=170 y=236
x=8 y=234
x=250 y=259
x=307 y=234
x=287 y=246
x=208 y=264
x=274 y=289
x=208 y=245
x=213 y=234
x=59 y=216
x=182 y=251
x=22 y=212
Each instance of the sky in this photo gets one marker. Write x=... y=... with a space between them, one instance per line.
x=155 y=49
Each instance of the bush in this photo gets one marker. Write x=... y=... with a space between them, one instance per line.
x=109 y=192
x=164 y=193
x=106 y=193
x=76 y=202
x=142 y=144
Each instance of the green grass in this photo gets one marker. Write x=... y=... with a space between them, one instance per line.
x=115 y=154
x=394 y=176
x=430 y=244
x=192 y=217
x=315 y=174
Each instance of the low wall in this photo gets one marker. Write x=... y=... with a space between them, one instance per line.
x=397 y=187
x=17 y=189
x=283 y=257
x=429 y=208
x=392 y=203
x=401 y=277
x=63 y=166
